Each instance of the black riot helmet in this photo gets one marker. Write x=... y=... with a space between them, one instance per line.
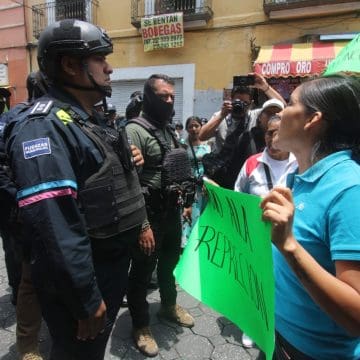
x=36 y=85
x=73 y=38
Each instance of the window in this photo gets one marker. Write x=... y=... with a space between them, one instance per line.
x=155 y=7
x=68 y=9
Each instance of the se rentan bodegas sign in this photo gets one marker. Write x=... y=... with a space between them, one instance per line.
x=163 y=31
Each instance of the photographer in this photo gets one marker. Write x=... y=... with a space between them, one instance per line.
x=235 y=110
x=241 y=142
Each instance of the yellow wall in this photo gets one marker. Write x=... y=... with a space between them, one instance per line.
x=223 y=47
x=219 y=50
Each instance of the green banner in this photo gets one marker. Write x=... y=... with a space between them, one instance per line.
x=348 y=59
x=227 y=264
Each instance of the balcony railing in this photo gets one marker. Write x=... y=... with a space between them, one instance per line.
x=192 y=9
x=47 y=13
x=277 y=5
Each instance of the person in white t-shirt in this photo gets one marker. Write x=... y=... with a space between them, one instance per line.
x=262 y=171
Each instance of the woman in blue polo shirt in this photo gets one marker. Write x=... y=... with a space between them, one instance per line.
x=316 y=224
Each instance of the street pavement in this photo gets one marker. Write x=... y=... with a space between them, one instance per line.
x=213 y=336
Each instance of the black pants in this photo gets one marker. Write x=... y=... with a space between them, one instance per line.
x=111 y=275
x=12 y=259
x=167 y=233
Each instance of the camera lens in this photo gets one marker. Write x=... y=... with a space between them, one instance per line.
x=238 y=107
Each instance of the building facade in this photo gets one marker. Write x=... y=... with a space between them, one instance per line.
x=14 y=54
x=222 y=38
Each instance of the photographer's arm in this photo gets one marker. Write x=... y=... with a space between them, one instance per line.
x=270 y=92
x=208 y=130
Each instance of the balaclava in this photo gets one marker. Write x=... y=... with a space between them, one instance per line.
x=156 y=110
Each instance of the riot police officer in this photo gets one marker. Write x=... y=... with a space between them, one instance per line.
x=78 y=193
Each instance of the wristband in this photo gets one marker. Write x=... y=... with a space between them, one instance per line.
x=145 y=226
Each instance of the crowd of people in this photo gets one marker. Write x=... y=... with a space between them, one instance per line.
x=93 y=203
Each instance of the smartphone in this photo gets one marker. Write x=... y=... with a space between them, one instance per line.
x=243 y=80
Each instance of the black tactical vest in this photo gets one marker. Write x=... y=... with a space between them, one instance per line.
x=177 y=182
x=111 y=198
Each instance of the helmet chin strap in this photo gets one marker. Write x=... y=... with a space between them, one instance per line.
x=105 y=105
x=104 y=90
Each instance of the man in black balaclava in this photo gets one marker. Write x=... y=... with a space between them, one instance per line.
x=158 y=102
x=163 y=214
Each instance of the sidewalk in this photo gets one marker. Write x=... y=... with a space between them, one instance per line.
x=213 y=336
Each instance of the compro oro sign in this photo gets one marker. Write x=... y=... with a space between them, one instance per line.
x=303 y=59
x=163 y=31
x=293 y=68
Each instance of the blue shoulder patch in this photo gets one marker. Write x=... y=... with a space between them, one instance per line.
x=36 y=147
x=41 y=107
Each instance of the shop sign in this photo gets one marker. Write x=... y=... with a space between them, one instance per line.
x=4 y=77
x=292 y=68
x=162 y=31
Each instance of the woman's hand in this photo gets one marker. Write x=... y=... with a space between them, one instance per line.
x=278 y=208
x=187 y=212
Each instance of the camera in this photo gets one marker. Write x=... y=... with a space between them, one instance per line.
x=238 y=107
x=243 y=80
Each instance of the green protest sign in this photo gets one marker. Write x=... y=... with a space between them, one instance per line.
x=227 y=264
x=348 y=59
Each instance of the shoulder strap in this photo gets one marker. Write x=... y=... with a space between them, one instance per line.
x=143 y=123
x=268 y=176
x=195 y=159
x=154 y=131
x=41 y=107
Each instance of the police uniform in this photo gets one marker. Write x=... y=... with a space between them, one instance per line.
x=80 y=220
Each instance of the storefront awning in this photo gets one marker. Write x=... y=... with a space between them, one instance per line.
x=286 y=60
